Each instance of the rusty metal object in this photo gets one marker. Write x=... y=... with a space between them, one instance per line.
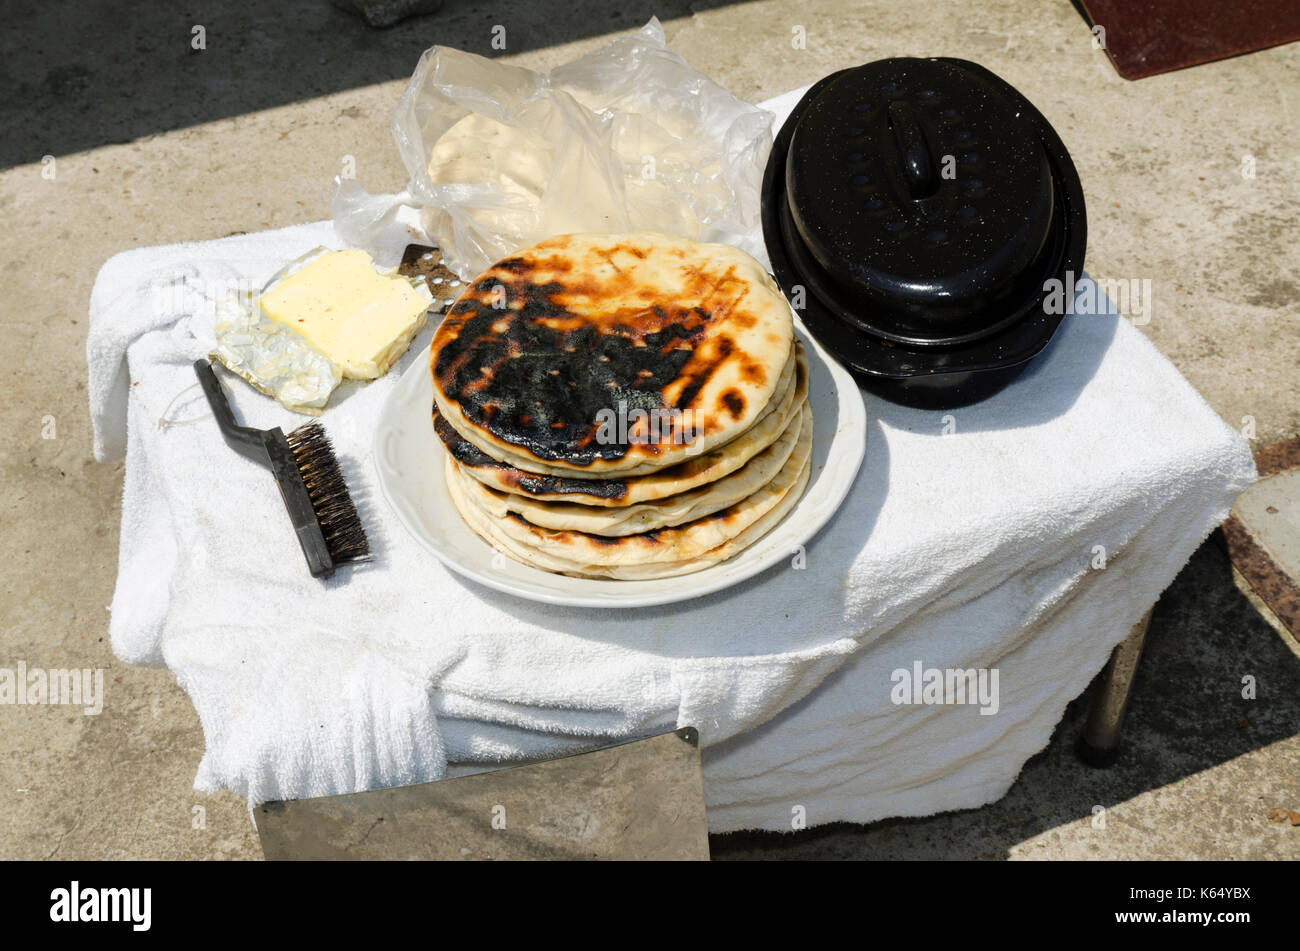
x=1259 y=536
x=637 y=800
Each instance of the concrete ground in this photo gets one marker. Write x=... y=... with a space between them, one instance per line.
x=154 y=142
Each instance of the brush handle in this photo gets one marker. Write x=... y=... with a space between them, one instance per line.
x=270 y=448
x=243 y=439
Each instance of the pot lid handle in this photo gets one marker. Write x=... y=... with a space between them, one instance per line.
x=913 y=151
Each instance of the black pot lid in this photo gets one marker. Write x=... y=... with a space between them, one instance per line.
x=920 y=205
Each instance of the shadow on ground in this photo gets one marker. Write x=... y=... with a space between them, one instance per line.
x=1187 y=715
x=68 y=72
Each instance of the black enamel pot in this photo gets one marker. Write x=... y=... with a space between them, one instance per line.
x=915 y=212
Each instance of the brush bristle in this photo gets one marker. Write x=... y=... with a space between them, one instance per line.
x=323 y=477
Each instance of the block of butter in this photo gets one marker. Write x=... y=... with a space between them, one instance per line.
x=358 y=318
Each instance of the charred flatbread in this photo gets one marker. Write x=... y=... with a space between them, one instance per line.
x=488 y=514
x=633 y=490
x=539 y=557
x=662 y=513
x=592 y=355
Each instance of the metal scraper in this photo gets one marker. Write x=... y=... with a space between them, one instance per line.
x=638 y=800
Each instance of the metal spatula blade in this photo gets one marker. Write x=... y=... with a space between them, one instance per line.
x=638 y=800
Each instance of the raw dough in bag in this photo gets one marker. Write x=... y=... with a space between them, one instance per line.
x=626 y=138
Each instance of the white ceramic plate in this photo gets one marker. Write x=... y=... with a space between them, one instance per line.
x=410 y=458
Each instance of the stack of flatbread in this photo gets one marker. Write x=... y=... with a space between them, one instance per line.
x=622 y=406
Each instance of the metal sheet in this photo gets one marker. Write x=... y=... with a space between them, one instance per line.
x=637 y=800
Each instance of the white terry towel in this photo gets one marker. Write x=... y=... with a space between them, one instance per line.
x=968 y=549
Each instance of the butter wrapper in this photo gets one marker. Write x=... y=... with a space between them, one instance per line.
x=272 y=357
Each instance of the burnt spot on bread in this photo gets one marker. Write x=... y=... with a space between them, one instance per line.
x=570 y=536
x=525 y=358
x=519 y=519
x=754 y=373
x=532 y=484
x=461 y=449
x=700 y=371
x=733 y=402
x=514 y=265
x=526 y=483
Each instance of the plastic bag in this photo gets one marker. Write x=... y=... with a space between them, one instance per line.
x=627 y=138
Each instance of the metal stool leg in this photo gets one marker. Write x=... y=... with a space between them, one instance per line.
x=1099 y=745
